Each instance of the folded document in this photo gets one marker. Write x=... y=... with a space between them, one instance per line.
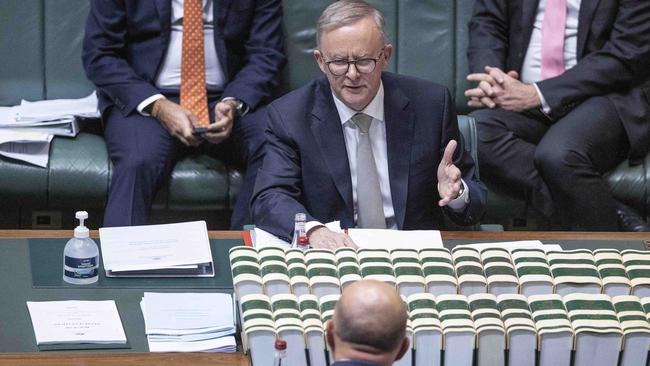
x=170 y=250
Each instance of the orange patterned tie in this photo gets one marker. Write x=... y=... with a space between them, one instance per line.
x=193 y=93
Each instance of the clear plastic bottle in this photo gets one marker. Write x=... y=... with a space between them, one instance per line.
x=300 y=239
x=81 y=255
x=280 y=358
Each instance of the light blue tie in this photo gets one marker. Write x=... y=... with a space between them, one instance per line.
x=369 y=201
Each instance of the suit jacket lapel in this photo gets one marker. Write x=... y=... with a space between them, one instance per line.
x=528 y=14
x=164 y=9
x=221 y=8
x=399 y=136
x=328 y=133
x=587 y=10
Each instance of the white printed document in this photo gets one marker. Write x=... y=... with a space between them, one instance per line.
x=29 y=146
x=169 y=250
x=189 y=322
x=72 y=322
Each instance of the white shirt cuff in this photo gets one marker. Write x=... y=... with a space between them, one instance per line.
x=459 y=204
x=146 y=102
x=246 y=107
x=545 y=107
x=312 y=224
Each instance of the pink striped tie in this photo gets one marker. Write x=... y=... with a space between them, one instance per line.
x=553 y=38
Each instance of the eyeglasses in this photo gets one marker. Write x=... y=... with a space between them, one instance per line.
x=364 y=65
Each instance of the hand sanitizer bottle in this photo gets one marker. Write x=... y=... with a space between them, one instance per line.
x=81 y=255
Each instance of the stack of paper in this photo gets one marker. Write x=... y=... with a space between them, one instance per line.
x=76 y=322
x=170 y=250
x=56 y=117
x=189 y=322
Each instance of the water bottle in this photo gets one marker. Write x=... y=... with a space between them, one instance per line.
x=81 y=255
x=280 y=358
x=300 y=239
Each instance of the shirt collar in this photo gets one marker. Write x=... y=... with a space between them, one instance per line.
x=374 y=109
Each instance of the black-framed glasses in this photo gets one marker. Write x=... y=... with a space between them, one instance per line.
x=364 y=65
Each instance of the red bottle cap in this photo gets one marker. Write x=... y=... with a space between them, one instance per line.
x=280 y=344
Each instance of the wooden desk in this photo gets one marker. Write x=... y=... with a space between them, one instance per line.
x=146 y=359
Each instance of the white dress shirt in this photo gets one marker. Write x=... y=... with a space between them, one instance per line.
x=532 y=68
x=170 y=72
x=380 y=152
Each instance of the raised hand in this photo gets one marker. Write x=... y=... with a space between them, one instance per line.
x=449 y=182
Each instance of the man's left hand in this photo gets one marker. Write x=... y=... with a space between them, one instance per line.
x=224 y=115
x=449 y=182
x=514 y=95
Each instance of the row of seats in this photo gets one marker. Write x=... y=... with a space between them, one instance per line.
x=41 y=47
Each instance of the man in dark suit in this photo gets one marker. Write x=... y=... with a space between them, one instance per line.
x=133 y=52
x=401 y=170
x=368 y=327
x=561 y=84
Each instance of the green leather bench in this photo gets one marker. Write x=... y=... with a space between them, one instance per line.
x=41 y=43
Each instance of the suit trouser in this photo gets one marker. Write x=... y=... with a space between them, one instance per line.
x=556 y=166
x=143 y=154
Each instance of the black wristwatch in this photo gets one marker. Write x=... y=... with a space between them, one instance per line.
x=240 y=107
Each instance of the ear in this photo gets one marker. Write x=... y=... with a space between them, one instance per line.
x=403 y=348
x=329 y=332
x=319 y=60
x=388 y=51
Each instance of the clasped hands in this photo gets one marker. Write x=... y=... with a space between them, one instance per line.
x=179 y=121
x=499 y=89
x=449 y=184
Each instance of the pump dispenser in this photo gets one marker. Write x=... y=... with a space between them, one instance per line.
x=81 y=255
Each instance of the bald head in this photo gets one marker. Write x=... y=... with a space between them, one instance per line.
x=370 y=316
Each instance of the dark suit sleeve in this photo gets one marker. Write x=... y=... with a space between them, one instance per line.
x=264 y=56
x=278 y=185
x=620 y=64
x=103 y=48
x=488 y=35
x=475 y=210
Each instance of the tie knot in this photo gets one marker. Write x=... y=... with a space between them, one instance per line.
x=362 y=121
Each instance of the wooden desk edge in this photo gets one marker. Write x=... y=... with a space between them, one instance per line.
x=123 y=359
